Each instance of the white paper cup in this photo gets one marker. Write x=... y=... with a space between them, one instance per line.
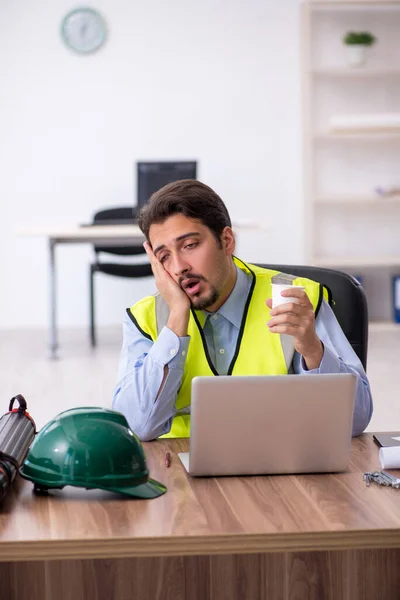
x=277 y=288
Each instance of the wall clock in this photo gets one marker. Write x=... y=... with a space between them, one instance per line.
x=84 y=30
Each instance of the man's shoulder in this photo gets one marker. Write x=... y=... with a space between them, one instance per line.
x=145 y=302
x=143 y=315
x=152 y=310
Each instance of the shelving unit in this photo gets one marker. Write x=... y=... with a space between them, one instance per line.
x=367 y=136
x=381 y=326
x=347 y=224
x=364 y=261
x=359 y=200
x=366 y=71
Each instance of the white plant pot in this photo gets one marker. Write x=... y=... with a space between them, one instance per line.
x=356 y=54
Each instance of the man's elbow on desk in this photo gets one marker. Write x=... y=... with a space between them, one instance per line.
x=363 y=407
x=144 y=427
x=149 y=433
x=362 y=417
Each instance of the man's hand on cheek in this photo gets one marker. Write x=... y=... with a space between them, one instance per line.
x=170 y=290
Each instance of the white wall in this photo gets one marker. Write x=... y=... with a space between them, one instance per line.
x=215 y=81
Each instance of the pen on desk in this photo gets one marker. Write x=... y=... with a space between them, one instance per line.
x=168 y=460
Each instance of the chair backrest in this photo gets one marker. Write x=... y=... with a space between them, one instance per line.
x=349 y=302
x=118 y=214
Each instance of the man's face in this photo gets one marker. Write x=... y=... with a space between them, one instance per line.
x=192 y=256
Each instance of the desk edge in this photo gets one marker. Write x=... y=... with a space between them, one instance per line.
x=35 y=550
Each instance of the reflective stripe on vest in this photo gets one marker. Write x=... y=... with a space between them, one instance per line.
x=257 y=352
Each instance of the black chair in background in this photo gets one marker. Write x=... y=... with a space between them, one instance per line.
x=349 y=302
x=117 y=215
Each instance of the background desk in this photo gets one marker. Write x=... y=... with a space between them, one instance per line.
x=108 y=235
x=320 y=537
x=111 y=235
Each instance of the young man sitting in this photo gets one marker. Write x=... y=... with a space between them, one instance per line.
x=213 y=315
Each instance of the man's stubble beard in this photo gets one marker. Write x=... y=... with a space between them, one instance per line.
x=204 y=303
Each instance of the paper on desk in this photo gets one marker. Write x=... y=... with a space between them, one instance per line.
x=389 y=457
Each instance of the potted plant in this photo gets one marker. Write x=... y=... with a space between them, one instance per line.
x=357 y=42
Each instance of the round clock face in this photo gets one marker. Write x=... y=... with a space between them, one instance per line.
x=84 y=30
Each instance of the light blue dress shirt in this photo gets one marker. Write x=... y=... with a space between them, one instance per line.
x=142 y=362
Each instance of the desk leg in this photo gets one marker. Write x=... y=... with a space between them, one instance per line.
x=53 y=301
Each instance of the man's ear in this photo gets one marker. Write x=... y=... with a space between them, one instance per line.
x=228 y=240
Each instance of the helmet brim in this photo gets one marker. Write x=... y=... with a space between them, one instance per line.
x=150 y=489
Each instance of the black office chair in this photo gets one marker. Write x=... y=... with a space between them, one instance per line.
x=117 y=215
x=349 y=302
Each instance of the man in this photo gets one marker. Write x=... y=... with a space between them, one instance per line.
x=213 y=315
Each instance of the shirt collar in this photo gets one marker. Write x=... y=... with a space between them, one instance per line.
x=233 y=308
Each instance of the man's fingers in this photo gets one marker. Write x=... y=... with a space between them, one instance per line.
x=300 y=295
x=155 y=263
x=297 y=319
x=294 y=292
x=290 y=307
x=286 y=328
x=149 y=250
x=287 y=319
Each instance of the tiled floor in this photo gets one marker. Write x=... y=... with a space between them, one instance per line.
x=83 y=376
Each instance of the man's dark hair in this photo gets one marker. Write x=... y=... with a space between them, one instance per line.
x=188 y=197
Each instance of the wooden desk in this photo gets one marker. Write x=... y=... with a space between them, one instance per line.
x=322 y=537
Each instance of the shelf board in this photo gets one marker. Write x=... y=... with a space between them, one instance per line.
x=372 y=200
x=368 y=136
x=357 y=261
x=353 y=3
x=378 y=326
x=355 y=73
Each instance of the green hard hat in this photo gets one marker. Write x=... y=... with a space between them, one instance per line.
x=90 y=447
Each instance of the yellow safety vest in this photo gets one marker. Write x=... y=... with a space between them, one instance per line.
x=257 y=352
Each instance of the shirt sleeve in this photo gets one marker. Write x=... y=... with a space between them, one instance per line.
x=140 y=374
x=339 y=357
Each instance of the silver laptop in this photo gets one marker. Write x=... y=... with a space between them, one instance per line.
x=253 y=425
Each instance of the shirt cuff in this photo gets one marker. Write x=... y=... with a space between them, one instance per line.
x=169 y=349
x=330 y=363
